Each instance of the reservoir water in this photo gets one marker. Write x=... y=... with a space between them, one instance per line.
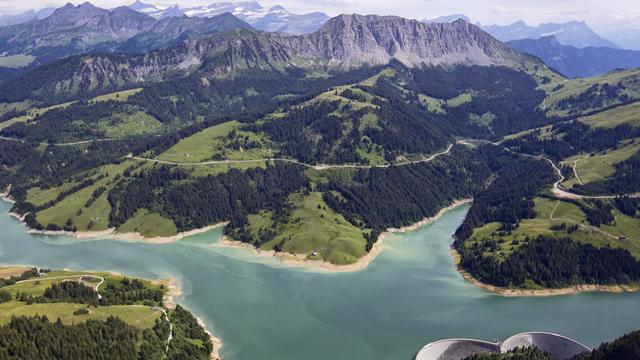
x=410 y=295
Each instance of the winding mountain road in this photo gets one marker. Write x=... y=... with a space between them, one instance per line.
x=319 y=167
x=558 y=191
x=59 y=144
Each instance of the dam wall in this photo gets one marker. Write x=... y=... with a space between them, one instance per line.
x=557 y=346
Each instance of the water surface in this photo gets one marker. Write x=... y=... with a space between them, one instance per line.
x=410 y=295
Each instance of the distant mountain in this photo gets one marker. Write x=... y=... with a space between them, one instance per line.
x=574 y=62
x=72 y=30
x=627 y=38
x=344 y=42
x=6 y=20
x=272 y=19
x=156 y=12
x=574 y=33
x=171 y=31
x=447 y=19
x=85 y=28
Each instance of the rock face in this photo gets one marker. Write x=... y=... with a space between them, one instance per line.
x=345 y=42
x=354 y=40
x=573 y=62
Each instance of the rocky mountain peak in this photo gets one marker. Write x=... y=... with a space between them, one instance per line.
x=353 y=40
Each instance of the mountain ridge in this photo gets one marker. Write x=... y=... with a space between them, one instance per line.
x=578 y=62
x=345 y=42
x=82 y=29
x=574 y=33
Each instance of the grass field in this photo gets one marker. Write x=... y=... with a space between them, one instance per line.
x=463 y=98
x=6 y=273
x=212 y=169
x=627 y=114
x=37 y=286
x=563 y=213
x=313 y=227
x=117 y=96
x=94 y=217
x=557 y=91
x=599 y=166
x=32 y=114
x=124 y=125
x=16 y=61
x=336 y=95
x=39 y=197
x=374 y=79
x=150 y=225
x=139 y=316
x=216 y=142
x=433 y=104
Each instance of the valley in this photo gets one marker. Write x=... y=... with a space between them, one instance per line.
x=269 y=169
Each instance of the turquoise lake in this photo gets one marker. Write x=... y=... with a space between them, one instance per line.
x=410 y=295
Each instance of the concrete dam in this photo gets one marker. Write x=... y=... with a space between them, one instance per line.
x=557 y=346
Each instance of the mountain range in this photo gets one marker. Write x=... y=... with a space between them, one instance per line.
x=343 y=43
x=578 y=62
x=6 y=20
x=272 y=19
x=574 y=33
x=72 y=30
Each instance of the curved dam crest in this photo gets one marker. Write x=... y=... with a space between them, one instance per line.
x=557 y=346
x=410 y=295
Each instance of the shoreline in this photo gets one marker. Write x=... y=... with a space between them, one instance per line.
x=216 y=342
x=108 y=234
x=300 y=260
x=507 y=292
x=112 y=234
x=170 y=299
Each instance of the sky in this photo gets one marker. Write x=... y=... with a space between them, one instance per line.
x=597 y=13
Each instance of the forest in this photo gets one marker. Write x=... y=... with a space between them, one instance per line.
x=528 y=353
x=37 y=338
x=626 y=347
x=397 y=196
x=510 y=96
x=572 y=138
x=207 y=200
x=188 y=333
x=596 y=96
x=509 y=197
x=625 y=180
x=552 y=263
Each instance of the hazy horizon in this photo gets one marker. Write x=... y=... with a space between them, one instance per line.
x=602 y=16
